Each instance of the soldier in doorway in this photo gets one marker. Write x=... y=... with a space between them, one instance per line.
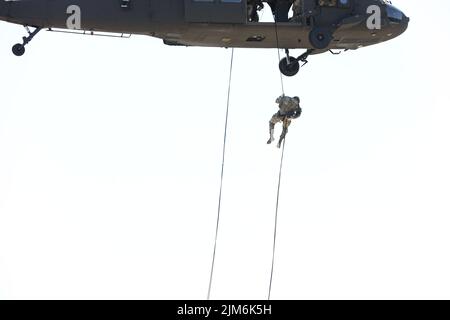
x=253 y=6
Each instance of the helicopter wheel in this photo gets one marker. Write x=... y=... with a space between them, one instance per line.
x=289 y=69
x=320 y=38
x=18 y=50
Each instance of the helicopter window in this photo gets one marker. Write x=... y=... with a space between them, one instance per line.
x=394 y=14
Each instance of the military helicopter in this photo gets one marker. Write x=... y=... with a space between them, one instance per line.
x=317 y=25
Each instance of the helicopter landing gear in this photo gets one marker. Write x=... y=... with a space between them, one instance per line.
x=290 y=66
x=19 y=48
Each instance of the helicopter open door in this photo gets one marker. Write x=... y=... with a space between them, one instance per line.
x=216 y=11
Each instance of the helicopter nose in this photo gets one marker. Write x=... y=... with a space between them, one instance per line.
x=405 y=20
x=404 y=23
x=397 y=17
x=394 y=14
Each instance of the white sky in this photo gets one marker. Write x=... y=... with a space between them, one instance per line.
x=110 y=154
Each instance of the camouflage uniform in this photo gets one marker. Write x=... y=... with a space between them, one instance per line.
x=253 y=6
x=289 y=109
x=297 y=7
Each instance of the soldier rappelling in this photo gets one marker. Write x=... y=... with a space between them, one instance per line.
x=289 y=110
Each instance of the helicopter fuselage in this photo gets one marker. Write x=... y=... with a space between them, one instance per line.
x=216 y=23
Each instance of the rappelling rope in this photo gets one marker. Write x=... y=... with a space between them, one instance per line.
x=278 y=51
x=279 y=174
x=276 y=219
x=221 y=175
